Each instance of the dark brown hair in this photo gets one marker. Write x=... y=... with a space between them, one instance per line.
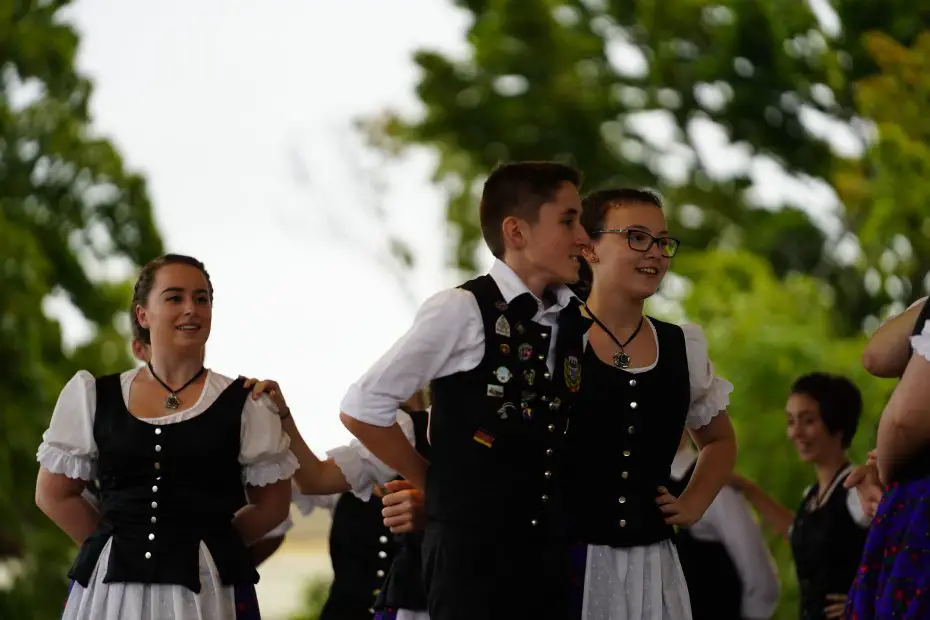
x=519 y=189
x=594 y=209
x=145 y=282
x=838 y=399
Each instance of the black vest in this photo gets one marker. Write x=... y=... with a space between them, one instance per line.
x=827 y=546
x=403 y=588
x=163 y=490
x=363 y=551
x=621 y=444
x=497 y=430
x=714 y=583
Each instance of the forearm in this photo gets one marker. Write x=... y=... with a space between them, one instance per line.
x=391 y=446
x=886 y=353
x=74 y=515
x=269 y=506
x=778 y=517
x=315 y=477
x=714 y=467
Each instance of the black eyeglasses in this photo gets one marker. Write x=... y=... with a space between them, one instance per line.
x=641 y=241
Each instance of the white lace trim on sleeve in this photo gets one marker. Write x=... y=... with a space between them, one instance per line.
x=58 y=461
x=921 y=342
x=270 y=470
x=712 y=402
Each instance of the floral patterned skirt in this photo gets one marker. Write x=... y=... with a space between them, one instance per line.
x=893 y=580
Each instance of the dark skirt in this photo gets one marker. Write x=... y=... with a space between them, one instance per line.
x=893 y=580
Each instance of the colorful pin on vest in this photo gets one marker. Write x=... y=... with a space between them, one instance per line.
x=485 y=439
x=497 y=391
x=503 y=374
x=500 y=304
x=505 y=410
x=572 y=371
x=525 y=351
x=502 y=327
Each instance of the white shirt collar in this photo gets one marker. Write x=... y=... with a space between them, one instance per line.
x=511 y=286
x=682 y=462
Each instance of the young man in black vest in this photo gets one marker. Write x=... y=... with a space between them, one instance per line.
x=502 y=355
x=729 y=570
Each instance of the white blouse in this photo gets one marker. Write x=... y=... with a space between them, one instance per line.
x=921 y=342
x=68 y=446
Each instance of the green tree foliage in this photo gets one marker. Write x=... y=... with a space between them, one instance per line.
x=69 y=212
x=586 y=80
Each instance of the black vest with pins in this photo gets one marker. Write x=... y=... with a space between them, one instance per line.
x=622 y=440
x=714 y=583
x=403 y=588
x=497 y=431
x=827 y=546
x=164 y=490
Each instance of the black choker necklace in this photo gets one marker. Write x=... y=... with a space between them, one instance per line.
x=173 y=402
x=621 y=359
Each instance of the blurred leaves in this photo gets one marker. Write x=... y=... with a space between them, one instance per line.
x=70 y=213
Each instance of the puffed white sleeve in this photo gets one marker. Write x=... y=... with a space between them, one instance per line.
x=361 y=468
x=921 y=342
x=68 y=446
x=710 y=393
x=264 y=452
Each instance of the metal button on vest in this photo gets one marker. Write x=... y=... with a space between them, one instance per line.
x=380 y=573
x=621 y=499
x=154 y=504
x=626 y=453
x=552 y=428
x=547 y=474
x=633 y=405
x=148 y=555
x=154 y=489
x=632 y=382
x=545 y=498
x=631 y=430
x=545 y=335
x=382 y=554
x=383 y=540
x=549 y=452
x=157 y=465
x=541 y=358
x=624 y=474
x=622 y=522
x=157 y=448
x=534 y=523
x=151 y=536
x=158 y=431
x=545 y=398
x=154 y=519
x=546 y=375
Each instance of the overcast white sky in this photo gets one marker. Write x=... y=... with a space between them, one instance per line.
x=239 y=114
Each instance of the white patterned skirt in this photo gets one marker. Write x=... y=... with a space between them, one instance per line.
x=636 y=583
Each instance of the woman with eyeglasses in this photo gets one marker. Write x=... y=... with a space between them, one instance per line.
x=645 y=381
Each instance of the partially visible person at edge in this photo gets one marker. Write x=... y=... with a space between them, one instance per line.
x=171 y=444
x=893 y=580
x=827 y=532
x=372 y=570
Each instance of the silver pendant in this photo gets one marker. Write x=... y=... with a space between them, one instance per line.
x=621 y=360
x=172 y=402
